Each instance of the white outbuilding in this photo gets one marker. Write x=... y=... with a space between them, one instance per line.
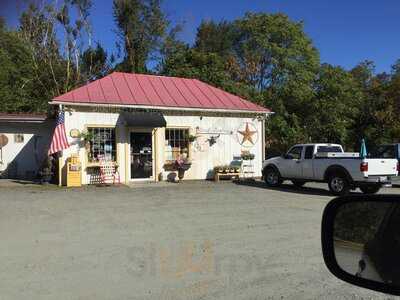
x=24 y=140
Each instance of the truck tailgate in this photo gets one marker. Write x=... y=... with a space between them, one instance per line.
x=381 y=166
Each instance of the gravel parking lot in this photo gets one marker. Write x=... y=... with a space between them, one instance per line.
x=195 y=240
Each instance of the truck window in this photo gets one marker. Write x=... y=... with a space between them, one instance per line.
x=309 y=152
x=384 y=151
x=295 y=152
x=325 y=149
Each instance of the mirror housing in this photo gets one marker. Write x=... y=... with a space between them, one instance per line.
x=345 y=253
x=287 y=156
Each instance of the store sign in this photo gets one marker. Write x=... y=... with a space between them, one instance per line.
x=74 y=133
x=213 y=131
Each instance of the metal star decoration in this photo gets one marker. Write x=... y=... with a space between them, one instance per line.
x=247 y=134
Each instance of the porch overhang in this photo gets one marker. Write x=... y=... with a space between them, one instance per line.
x=142 y=119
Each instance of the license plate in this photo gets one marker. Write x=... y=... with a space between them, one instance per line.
x=383 y=178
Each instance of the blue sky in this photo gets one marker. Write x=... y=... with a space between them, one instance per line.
x=345 y=32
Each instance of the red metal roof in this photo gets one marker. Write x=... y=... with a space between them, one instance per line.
x=126 y=89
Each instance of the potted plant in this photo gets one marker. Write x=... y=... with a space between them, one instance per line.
x=86 y=137
x=191 y=138
x=218 y=169
x=182 y=164
x=247 y=156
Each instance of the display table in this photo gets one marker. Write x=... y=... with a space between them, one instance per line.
x=231 y=175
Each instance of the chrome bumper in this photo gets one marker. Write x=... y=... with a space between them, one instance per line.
x=378 y=179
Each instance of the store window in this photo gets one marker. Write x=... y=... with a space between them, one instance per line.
x=176 y=142
x=101 y=144
x=18 y=138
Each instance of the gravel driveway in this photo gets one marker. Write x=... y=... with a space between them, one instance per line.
x=195 y=240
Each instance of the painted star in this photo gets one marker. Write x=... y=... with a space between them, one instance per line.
x=247 y=134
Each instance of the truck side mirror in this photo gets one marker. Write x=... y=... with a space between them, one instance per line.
x=361 y=241
x=287 y=156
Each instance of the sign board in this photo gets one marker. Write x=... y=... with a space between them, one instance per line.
x=3 y=140
x=74 y=133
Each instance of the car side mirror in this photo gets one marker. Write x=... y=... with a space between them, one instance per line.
x=287 y=156
x=361 y=241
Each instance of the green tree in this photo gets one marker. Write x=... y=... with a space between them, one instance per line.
x=60 y=58
x=272 y=50
x=17 y=85
x=396 y=68
x=363 y=73
x=141 y=28
x=265 y=58
x=94 y=63
x=376 y=120
x=218 y=38
x=55 y=63
x=336 y=103
x=38 y=30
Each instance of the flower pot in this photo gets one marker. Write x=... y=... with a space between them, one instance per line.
x=181 y=173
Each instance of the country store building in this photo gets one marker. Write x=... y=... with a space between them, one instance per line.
x=143 y=123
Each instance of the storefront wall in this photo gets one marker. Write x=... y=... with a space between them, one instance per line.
x=204 y=155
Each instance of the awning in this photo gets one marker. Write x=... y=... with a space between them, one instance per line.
x=142 y=119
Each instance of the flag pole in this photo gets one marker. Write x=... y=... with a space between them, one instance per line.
x=60 y=159
x=59 y=171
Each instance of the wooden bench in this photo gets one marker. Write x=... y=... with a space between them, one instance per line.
x=232 y=175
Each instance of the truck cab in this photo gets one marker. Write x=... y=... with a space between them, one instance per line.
x=298 y=161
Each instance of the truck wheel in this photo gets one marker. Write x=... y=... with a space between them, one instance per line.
x=338 y=185
x=298 y=183
x=272 y=177
x=370 y=189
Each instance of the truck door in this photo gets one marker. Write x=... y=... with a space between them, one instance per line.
x=307 y=163
x=291 y=165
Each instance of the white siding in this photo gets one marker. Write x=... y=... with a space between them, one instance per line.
x=23 y=160
x=203 y=160
x=226 y=147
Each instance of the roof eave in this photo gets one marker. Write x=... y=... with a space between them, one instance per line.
x=165 y=108
x=22 y=119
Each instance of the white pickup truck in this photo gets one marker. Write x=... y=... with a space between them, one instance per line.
x=342 y=171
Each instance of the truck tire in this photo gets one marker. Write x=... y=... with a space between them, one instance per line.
x=338 y=184
x=370 y=189
x=272 y=177
x=298 y=183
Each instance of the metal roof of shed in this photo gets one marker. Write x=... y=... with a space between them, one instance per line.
x=23 y=117
x=139 y=90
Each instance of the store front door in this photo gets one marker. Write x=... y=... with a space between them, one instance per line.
x=141 y=155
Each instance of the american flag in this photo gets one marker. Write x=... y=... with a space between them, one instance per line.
x=59 y=141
